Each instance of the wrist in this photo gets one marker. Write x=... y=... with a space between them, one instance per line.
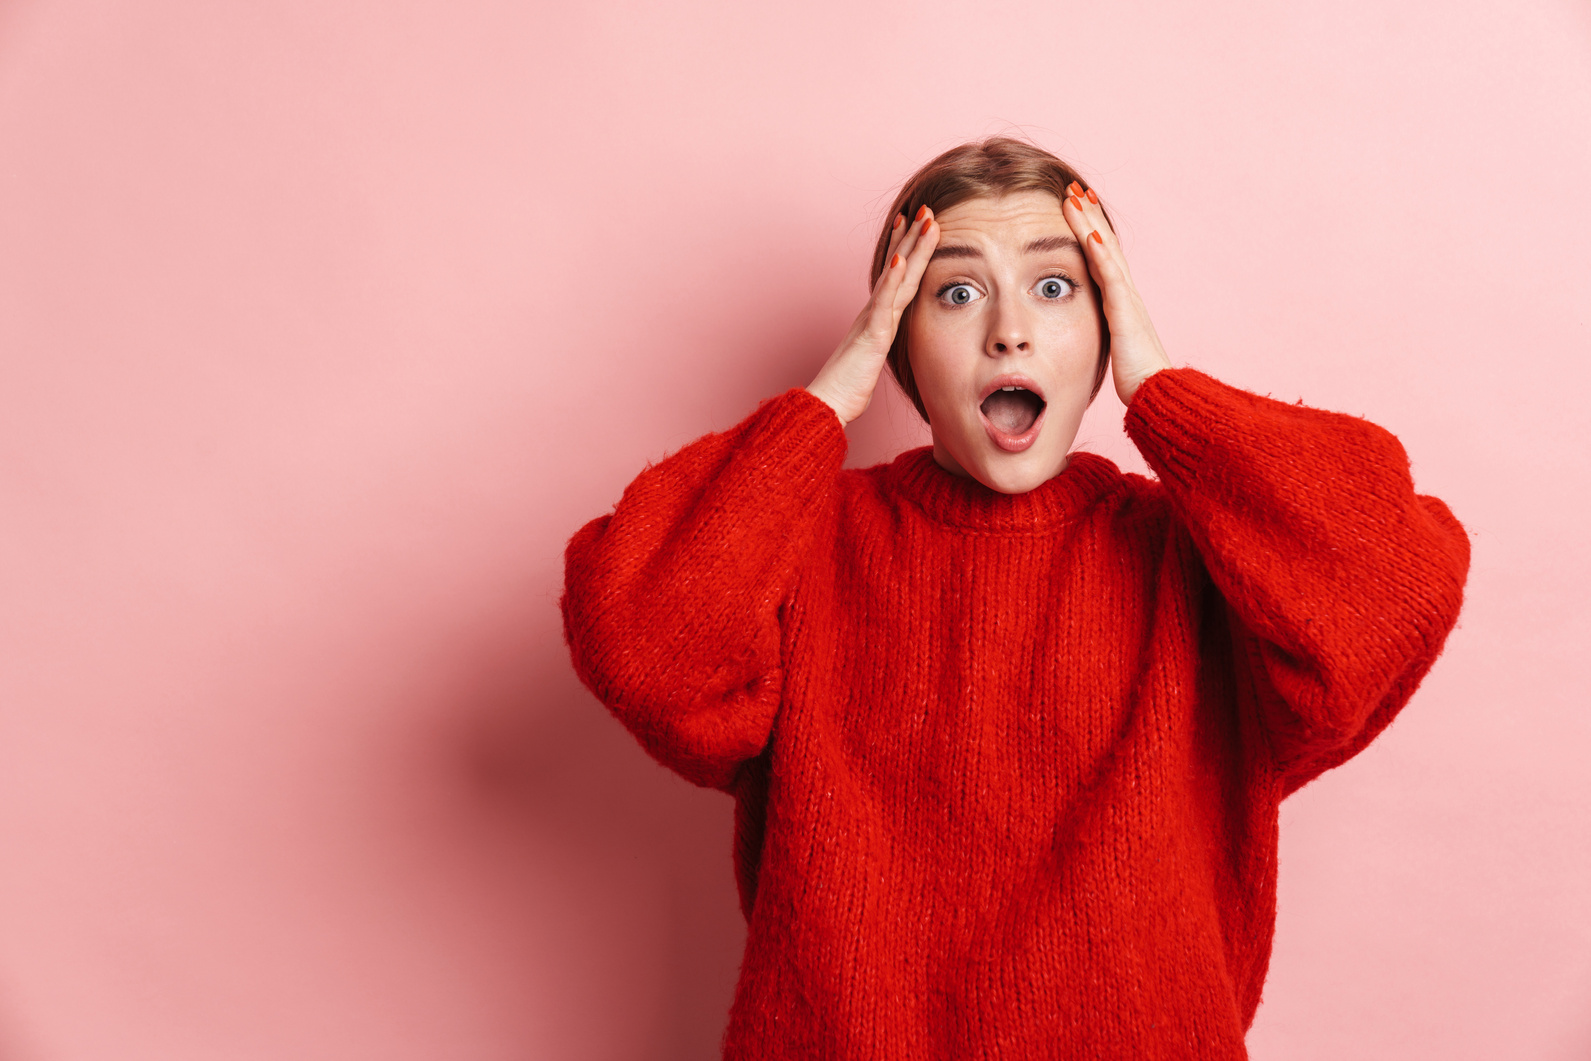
x=1129 y=388
x=816 y=389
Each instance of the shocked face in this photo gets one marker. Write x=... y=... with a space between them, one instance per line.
x=1004 y=338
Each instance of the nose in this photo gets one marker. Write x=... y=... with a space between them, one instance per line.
x=1009 y=330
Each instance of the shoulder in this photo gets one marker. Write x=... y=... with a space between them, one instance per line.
x=1135 y=512
x=864 y=493
x=1123 y=496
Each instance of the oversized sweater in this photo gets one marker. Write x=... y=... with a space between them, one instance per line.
x=1007 y=768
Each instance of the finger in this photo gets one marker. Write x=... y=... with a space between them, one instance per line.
x=1101 y=267
x=898 y=283
x=906 y=235
x=902 y=236
x=896 y=234
x=1123 y=308
x=1094 y=228
x=879 y=316
x=916 y=257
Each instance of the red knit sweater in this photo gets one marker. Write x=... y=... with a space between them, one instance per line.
x=1007 y=767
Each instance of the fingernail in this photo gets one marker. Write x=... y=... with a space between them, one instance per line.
x=1092 y=197
x=898 y=219
x=894 y=261
x=922 y=211
x=1075 y=201
x=1075 y=188
x=1094 y=235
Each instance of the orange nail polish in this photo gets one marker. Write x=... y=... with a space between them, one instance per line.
x=1094 y=235
x=894 y=261
x=898 y=219
x=1075 y=201
x=922 y=211
x=1092 y=197
x=1075 y=188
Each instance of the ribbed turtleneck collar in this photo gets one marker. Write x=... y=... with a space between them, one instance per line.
x=962 y=501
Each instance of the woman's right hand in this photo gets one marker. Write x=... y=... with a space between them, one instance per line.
x=847 y=379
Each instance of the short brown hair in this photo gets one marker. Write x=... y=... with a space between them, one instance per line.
x=992 y=167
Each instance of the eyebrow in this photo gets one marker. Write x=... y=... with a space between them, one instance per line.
x=1054 y=243
x=1045 y=245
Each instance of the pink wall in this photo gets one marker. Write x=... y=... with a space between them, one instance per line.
x=322 y=326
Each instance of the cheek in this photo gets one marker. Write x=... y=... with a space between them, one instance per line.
x=1075 y=338
x=937 y=355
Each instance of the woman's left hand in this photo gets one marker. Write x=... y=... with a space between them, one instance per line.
x=1135 y=350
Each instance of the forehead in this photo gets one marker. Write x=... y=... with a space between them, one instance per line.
x=1015 y=219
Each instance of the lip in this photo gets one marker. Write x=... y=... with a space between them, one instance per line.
x=1008 y=442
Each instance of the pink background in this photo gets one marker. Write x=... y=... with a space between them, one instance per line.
x=323 y=326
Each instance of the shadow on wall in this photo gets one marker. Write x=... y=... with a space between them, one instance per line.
x=550 y=775
x=551 y=771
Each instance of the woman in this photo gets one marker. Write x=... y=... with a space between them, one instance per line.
x=1008 y=729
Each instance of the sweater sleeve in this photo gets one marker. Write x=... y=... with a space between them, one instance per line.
x=671 y=602
x=1342 y=581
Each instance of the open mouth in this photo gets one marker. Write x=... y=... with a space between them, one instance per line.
x=1011 y=412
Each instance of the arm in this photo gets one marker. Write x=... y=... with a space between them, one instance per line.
x=1343 y=581
x=671 y=603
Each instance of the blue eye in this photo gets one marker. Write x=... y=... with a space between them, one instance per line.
x=960 y=294
x=1054 y=287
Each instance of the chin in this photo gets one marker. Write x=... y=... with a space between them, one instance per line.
x=1016 y=473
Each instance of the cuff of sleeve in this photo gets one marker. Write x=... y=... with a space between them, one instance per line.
x=806 y=442
x=1173 y=418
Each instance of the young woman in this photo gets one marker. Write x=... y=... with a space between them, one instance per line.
x=1008 y=729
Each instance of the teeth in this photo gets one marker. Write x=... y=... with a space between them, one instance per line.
x=1010 y=388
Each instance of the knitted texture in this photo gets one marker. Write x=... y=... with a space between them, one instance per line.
x=1007 y=768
